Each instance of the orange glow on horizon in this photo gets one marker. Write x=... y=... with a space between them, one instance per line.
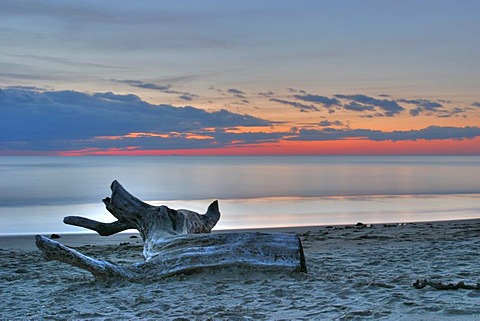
x=338 y=147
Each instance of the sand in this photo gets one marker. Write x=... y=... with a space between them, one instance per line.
x=355 y=273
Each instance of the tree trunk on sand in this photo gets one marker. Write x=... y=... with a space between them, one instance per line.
x=177 y=241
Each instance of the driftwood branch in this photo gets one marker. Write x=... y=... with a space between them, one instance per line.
x=192 y=253
x=420 y=284
x=104 y=229
x=101 y=269
x=149 y=220
x=177 y=241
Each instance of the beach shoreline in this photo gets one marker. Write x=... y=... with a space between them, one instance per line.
x=354 y=273
x=26 y=242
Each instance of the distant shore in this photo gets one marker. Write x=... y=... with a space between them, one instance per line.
x=354 y=273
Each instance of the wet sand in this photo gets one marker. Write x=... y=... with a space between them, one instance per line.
x=355 y=273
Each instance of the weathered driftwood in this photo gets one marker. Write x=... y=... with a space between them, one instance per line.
x=176 y=241
x=151 y=221
x=192 y=253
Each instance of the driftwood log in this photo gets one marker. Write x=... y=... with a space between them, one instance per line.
x=177 y=241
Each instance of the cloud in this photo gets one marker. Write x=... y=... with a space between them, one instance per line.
x=353 y=106
x=422 y=106
x=388 y=107
x=302 y=107
x=452 y=112
x=187 y=96
x=175 y=141
x=76 y=11
x=424 y=103
x=33 y=120
x=141 y=84
x=241 y=102
x=67 y=62
x=32 y=88
x=293 y=90
x=266 y=94
x=224 y=137
x=327 y=102
x=433 y=108
x=236 y=93
x=163 y=88
x=56 y=120
x=429 y=133
x=476 y=104
x=327 y=123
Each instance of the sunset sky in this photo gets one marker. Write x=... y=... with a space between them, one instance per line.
x=239 y=77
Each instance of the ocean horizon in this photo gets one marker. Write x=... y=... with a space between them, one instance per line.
x=36 y=192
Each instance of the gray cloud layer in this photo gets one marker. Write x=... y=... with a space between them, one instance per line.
x=318 y=99
x=372 y=107
x=387 y=107
x=163 y=88
x=302 y=107
x=34 y=120
x=43 y=121
x=429 y=133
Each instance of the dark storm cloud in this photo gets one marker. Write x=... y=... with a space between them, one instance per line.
x=302 y=107
x=387 y=107
x=32 y=119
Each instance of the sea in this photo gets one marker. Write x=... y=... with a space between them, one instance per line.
x=253 y=191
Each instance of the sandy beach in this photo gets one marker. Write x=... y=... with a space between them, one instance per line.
x=354 y=273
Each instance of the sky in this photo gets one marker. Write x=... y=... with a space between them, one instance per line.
x=246 y=77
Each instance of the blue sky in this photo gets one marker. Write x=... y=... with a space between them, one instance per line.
x=415 y=63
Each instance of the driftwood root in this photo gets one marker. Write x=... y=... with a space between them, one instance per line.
x=186 y=254
x=176 y=242
x=53 y=250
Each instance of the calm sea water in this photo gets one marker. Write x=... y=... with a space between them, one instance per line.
x=37 y=192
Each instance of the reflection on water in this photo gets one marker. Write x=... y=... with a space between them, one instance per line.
x=54 y=180
x=37 y=192
x=281 y=212
x=267 y=212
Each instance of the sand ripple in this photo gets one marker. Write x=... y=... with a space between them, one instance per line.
x=355 y=273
